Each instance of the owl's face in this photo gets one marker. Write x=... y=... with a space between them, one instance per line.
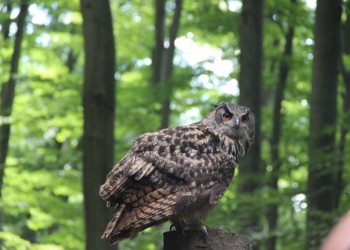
x=235 y=121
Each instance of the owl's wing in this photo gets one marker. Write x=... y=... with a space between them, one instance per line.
x=165 y=173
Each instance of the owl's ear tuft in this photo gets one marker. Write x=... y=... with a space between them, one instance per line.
x=253 y=111
x=224 y=104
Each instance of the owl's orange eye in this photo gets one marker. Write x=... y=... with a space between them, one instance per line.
x=227 y=116
x=245 y=118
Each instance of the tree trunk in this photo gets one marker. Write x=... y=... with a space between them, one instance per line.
x=272 y=212
x=7 y=96
x=99 y=107
x=323 y=114
x=340 y=185
x=216 y=240
x=162 y=59
x=8 y=90
x=250 y=31
x=6 y=24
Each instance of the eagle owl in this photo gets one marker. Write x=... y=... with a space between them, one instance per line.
x=177 y=174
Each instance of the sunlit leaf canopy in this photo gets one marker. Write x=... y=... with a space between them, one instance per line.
x=42 y=194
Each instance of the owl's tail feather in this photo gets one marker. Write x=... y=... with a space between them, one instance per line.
x=113 y=222
x=120 y=236
x=128 y=221
x=130 y=233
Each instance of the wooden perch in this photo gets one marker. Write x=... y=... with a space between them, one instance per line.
x=216 y=240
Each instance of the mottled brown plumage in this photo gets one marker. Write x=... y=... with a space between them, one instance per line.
x=177 y=174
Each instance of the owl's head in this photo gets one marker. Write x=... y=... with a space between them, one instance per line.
x=234 y=121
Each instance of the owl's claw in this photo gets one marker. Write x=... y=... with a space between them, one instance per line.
x=189 y=227
x=223 y=227
x=204 y=229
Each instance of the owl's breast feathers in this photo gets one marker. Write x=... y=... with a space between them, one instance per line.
x=166 y=174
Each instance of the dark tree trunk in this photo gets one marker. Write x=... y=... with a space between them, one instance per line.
x=8 y=90
x=272 y=211
x=71 y=60
x=162 y=59
x=216 y=240
x=99 y=106
x=250 y=31
x=323 y=114
x=340 y=185
x=158 y=51
x=7 y=22
x=7 y=95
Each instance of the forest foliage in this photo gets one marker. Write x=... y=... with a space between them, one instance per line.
x=41 y=204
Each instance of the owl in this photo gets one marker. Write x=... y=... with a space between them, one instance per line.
x=177 y=174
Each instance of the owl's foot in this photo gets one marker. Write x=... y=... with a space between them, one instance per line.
x=178 y=224
x=221 y=228
x=190 y=227
x=205 y=229
x=195 y=228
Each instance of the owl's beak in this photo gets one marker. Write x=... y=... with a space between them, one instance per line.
x=236 y=124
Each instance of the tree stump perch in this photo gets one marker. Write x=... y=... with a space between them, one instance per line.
x=216 y=240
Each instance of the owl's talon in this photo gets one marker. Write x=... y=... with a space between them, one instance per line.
x=204 y=229
x=224 y=227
